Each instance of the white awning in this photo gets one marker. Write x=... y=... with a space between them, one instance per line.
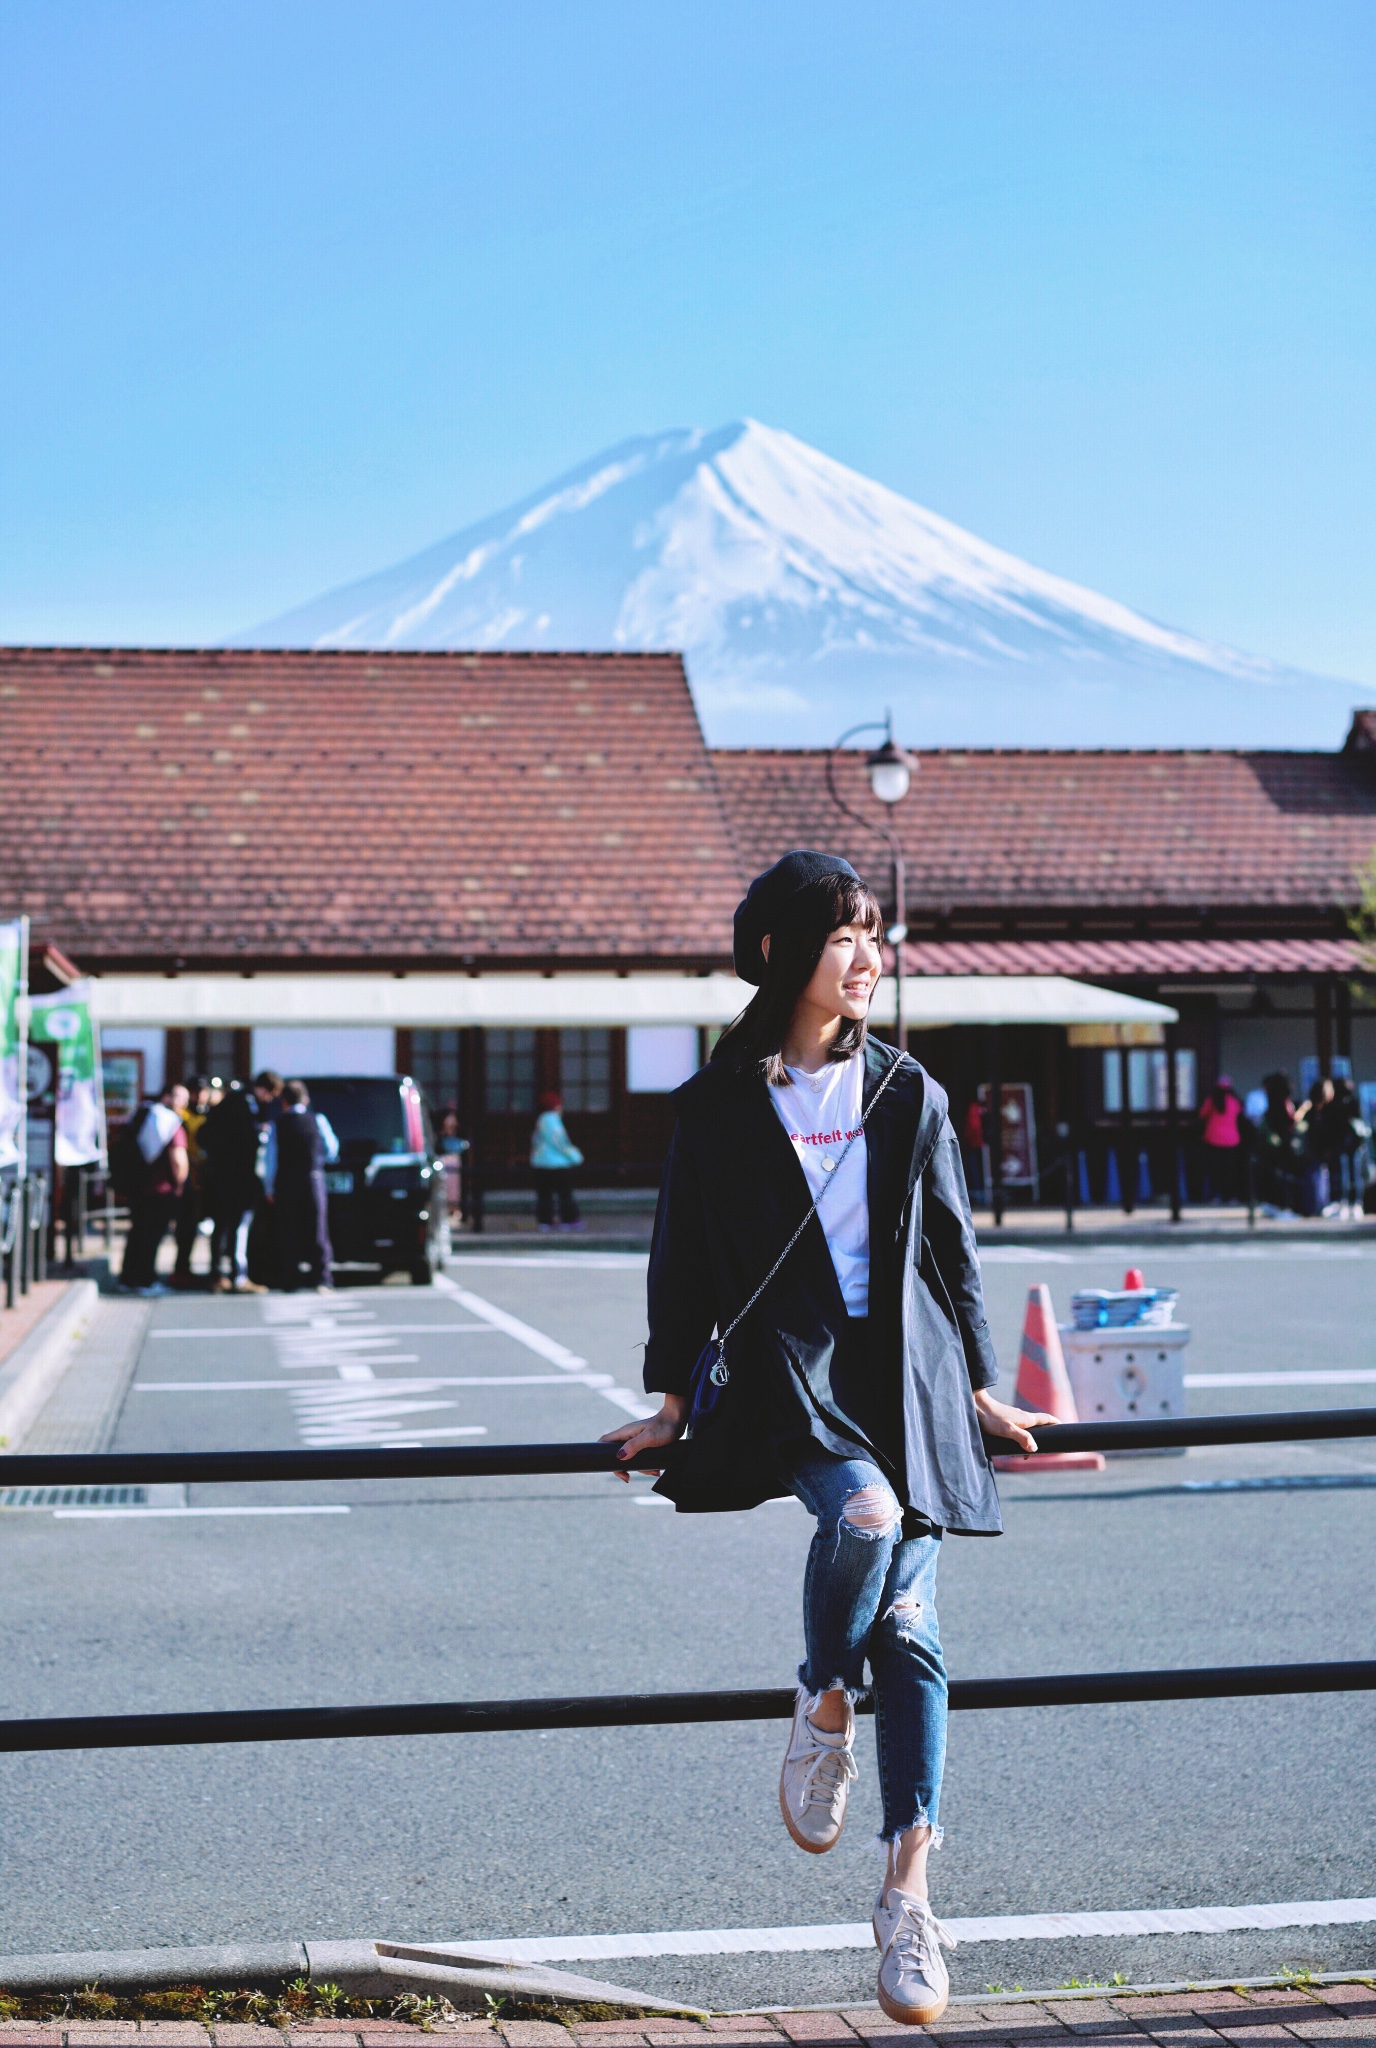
x=935 y=999
x=436 y=1001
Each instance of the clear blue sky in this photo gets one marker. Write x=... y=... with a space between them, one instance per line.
x=290 y=290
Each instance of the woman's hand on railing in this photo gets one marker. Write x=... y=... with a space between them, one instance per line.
x=996 y=1418
x=652 y=1434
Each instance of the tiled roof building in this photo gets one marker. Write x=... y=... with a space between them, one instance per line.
x=527 y=864
x=172 y=807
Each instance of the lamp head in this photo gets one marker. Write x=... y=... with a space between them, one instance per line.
x=890 y=771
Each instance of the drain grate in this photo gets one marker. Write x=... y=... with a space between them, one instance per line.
x=73 y=1496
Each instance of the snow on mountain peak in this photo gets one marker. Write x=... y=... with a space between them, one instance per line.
x=805 y=595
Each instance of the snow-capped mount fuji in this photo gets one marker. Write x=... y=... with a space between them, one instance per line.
x=806 y=597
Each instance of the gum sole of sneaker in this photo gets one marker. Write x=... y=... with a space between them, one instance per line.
x=912 y=2015
x=813 y=1848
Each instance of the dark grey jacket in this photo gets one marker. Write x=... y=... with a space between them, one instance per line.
x=732 y=1194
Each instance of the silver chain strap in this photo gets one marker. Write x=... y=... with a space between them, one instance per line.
x=720 y=1373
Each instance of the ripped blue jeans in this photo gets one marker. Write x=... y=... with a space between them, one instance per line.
x=870 y=1592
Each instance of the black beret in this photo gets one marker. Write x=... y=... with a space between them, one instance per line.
x=767 y=900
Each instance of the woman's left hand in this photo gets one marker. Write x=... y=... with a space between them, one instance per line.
x=996 y=1418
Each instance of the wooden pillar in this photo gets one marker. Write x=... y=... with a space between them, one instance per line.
x=1342 y=1018
x=1173 y=1160
x=174 y=1056
x=1127 y=1162
x=996 y=1124
x=1323 y=1022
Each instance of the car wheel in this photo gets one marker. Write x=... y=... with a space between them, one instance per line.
x=423 y=1274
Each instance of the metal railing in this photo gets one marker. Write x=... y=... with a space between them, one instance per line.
x=617 y=1710
x=507 y=1461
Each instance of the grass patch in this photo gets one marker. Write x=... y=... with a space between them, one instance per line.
x=296 y=1998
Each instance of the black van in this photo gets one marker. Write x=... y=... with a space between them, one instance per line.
x=386 y=1189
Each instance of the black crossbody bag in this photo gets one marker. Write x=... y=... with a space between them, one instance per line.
x=711 y=1373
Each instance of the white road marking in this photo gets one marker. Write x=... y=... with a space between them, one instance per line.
x=1357 y=1376
x=725 y=1941
x=626 y=1398
x=599 y=1380
x=1162 y=1251
x=1306 y=1483
x=595 y=1262
x=110 y=1514
x=331 y=1334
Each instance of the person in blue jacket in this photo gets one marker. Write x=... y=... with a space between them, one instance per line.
x=554 y=1158
x=813 y=1214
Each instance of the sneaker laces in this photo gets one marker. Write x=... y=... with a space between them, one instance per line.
x=829 y=1765
x=917 y=1934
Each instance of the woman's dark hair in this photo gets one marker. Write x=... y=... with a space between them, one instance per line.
x=754 y=1043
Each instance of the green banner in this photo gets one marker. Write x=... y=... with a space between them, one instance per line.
x=64 y=1023
x=11 y=1038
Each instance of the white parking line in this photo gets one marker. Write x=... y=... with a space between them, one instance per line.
x=625 y=1398
x=1357 y=1376
x=725 y=1941
x=379 y=1334
x=145 y=1514
x=598 y=1380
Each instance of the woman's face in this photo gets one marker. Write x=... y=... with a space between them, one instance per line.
x=844 y=978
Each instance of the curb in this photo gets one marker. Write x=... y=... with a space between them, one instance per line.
x=367 y=1969
x=35 y=1366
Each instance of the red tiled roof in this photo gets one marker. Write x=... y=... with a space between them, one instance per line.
x=412 y=808
x=1032 y=830
x=1122 y=959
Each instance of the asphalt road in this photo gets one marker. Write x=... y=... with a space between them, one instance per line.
x=508 y=1587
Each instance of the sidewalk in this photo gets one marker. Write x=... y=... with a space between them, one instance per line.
x=621 y=1221
x=28 y=1311
x=1186 y=2019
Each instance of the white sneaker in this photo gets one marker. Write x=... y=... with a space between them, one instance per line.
x=816 y=1778
x=913 y=1982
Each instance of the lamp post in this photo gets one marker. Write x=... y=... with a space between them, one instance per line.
x=890 y=772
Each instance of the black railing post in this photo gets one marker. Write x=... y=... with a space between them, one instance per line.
x=1173 y=1118
x=996 y=1124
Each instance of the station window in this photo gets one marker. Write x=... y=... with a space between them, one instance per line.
x=509 y=1072
x=1148 y=1080
x=211 y=1052
x=585 y=1070
x=435 y=1068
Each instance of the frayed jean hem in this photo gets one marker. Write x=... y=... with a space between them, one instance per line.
x=888 y=1835
x=852 y=1692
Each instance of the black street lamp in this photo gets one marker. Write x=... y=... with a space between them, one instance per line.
x=890 y=772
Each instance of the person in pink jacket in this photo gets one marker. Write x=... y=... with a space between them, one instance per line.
x=1220 y=1120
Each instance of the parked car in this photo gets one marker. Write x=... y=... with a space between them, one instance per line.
x=388 y=1212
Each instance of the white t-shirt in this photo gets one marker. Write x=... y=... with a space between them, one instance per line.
x=819 y=1112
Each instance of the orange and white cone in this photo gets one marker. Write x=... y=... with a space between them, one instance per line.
x=1044 y=1384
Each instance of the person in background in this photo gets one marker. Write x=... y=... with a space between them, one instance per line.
x=553 y=1160
x=972 y=1147
x=1337 y=1141
x=1220 y=1117
x=160 y=1137
x=1313 y=1126
x=192 y=1208
x=1279 y=1149
x=454 y=1148
x=1354 y=1150
x=233 y=1191
x=305 y=1144
x=264 y=1249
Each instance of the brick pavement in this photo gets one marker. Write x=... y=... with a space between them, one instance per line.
x=1262 y=2018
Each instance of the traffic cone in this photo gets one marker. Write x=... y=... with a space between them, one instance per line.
x=1044 y=1384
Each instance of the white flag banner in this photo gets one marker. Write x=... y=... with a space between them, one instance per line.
x=64 y=1024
